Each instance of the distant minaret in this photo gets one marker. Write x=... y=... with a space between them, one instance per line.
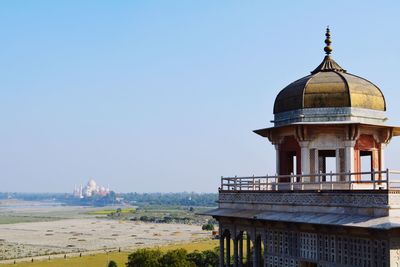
x=80 y=191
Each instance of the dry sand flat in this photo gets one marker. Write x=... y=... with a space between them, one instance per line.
x=72 y=235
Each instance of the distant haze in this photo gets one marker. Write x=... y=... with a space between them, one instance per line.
x=162 y=96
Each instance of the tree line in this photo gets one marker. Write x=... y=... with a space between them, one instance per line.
x=179 y=199
x=146 y=257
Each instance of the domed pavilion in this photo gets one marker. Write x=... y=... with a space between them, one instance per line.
x=329 y=114
x=330 y=201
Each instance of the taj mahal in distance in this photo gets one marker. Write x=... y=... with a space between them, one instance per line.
x=90 y=189
x=305 y=215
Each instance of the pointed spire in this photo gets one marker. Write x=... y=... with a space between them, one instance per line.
x=328 y=64
x=328 y=49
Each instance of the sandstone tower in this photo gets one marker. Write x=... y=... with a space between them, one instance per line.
x=308 y=214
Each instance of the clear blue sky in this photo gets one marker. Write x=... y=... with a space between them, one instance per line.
x=164 y=95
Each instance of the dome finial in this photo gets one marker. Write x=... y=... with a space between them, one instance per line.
x=328 y=48
x=328 y=64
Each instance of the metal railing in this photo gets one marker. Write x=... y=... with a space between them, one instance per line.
x=374 y=180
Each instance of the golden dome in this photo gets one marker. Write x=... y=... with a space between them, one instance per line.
x=330 y=86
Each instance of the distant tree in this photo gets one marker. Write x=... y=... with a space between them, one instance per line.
x=208 y=258
x=211 y=258
x=176 y=258
x=144 y=258
x=196 y=257
x=118 y=212
x=208 y=227
x=173 y=258
x=112 y=264
x=181 y=199
x=144 y=218
x=168 y=219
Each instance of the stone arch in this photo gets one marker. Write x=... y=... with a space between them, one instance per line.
x=367 y=145
x=288 y=149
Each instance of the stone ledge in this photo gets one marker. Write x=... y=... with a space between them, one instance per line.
x=369 y=203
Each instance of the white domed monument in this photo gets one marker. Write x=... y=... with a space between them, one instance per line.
x=90 y=190
x=331 y=202
x=92 y=184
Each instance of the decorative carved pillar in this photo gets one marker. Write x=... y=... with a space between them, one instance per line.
x=256 y=248
x=277 y=157
x=228 y=250
x=342 y=164
x=256 y=252
x=382 y=156
x=349 y=156
x=240 y=250
x=337 y=163
x=264 y=241
x=221 y=249
x=235 y=251
x=375 y=160
x=305 y=157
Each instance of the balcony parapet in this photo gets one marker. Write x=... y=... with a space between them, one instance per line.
x=376 y=197
x=374 y=180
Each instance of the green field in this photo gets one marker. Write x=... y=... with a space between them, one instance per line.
x=111 y=211
x=154 y=213
x=101 y=259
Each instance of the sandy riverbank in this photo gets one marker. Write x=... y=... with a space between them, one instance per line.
x=75 y=235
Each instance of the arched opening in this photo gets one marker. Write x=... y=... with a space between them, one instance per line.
x=289 y=158
x=366 y=153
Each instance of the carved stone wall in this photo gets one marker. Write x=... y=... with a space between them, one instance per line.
x=371 y=203
x=286 y=248
x=291 y=247
x=354 y=199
